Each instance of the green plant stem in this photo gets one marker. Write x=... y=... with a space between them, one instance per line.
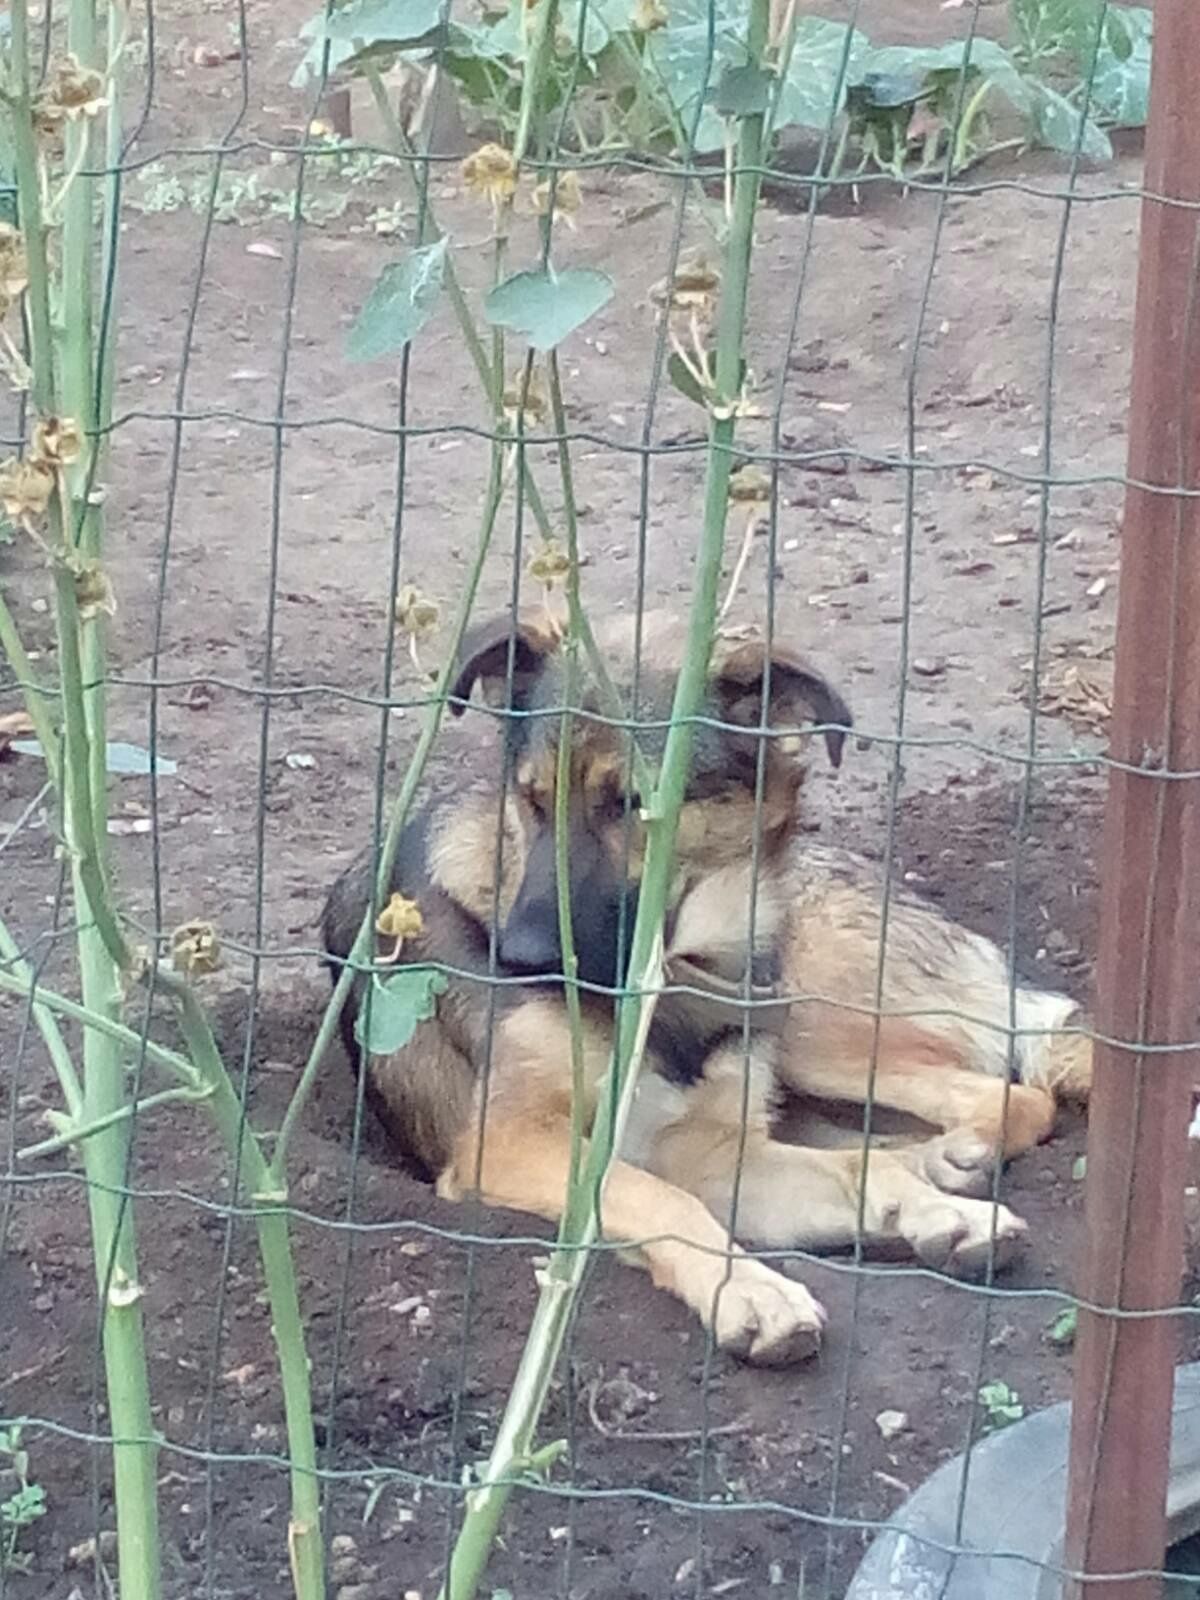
x=83 y=834
x=581 y=1223
x=360 y=951
x=102 y=950
x=563 y=783
x=23 y=982
x=29 y=198
x=76 y=1133
x=16 y=981
x=35 y=696
x=305 y=1548
x=403 y=147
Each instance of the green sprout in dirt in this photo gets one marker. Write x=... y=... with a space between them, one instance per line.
x=23 y=1504
x=1000 y=1404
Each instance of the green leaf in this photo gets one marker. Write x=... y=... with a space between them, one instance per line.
x=1061 y=1332
x=741 y=92
x=363 y=27
x=684 y=379
x=400 y=304
x=1001 y=1404
x=1121 y=82
x=942 y=68
x=815 y=88
x=546 y=306
x=396 y=24
x=126 y=760
x=1057 y=125
x=399 y=1003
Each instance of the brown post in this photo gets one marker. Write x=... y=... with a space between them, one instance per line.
x=1148 y=973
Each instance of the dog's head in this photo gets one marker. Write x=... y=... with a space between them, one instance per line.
x=755 y=702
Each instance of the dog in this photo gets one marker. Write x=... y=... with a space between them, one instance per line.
x=479 y=1100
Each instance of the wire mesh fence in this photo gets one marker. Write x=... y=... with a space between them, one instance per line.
x=606 y=461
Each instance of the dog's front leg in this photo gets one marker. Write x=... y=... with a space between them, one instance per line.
x=754 y=1311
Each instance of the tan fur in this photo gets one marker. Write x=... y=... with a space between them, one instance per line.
x=481 y=1096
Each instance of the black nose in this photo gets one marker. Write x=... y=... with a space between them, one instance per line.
x=529 y=941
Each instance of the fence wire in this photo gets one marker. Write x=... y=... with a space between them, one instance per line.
x=382 y=1400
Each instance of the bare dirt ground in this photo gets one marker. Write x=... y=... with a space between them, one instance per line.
x=275 y=561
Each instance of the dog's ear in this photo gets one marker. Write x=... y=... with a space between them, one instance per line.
x=483 y=659
x=798 y=693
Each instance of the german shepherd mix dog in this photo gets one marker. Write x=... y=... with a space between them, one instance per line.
x=816 y=915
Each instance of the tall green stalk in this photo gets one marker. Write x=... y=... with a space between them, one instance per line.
x=71 y=383
x=513 y=1453
x=62 y=384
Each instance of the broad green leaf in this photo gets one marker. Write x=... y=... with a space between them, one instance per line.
x=399 y=1003
x=361 y=27
x=309 y=70
x=400 y=304
x=741 y=92
x=394 y=24
x=125 y=760
x=887 y=90
x=986 y=57
x=815 y=88
x=1056 y=122
x=810 y=97
x=1121 y=83
x=546 y=306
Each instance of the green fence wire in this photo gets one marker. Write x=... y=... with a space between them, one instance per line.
x=782 y=1545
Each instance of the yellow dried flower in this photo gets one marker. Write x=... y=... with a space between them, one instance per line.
x=57 y=441
x=415 y=613
x=94 y=593
x=491 y=173
x=551 y=564
x=25 y=489
x=14 y=267
x=567 y=197
x=649 y=16
x=529 y=400
x=400 y=919
x=195 y=948
x=750 y=484
x=68 y=93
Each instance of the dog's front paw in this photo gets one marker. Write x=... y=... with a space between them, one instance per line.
x=959 y=1236
x=959 y=1162
x=764 y=1317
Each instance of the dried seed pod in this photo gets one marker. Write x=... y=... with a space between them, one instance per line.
x=415 y=613
x=94 y=593
x=551 y=565
x=491 y=173
x=195 y=949
x=25 y=489
x=57 y=441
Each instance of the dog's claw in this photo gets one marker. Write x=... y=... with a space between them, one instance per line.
x=767 y=1318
